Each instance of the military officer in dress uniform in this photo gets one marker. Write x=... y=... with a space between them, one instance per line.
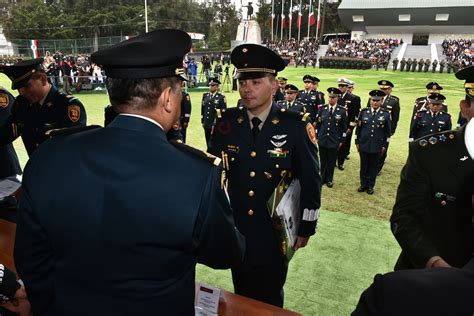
x=353 y=109
x=330 y=130
x=432 y=215
x=280 y=93
x=391 y=104
x=9 y=164
x=310 y=97
x=422 y=103
x=351 y=104
x=118 y=235
x=185 y=113
x=372 y=138
x=292 y=102
x=432 y=120
x=262 y=143
x=213 y=102
x=39 y=108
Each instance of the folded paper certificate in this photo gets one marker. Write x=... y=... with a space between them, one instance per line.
x=284 y=210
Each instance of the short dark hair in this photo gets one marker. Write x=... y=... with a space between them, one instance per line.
x=138 y=94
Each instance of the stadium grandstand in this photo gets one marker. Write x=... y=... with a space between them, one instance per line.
x=422 y=26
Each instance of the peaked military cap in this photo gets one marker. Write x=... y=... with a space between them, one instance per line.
x=436 y=98
x=21 y=72
x=351 y=83
x=334 y=92
x=316 y=79
x=282 y=79
x=343 y=81
x=291 y=88
x=145 y=56
x=255 y=61
x=377 y=94
x=384 y=84
x=434 y=86
x=214 y=80
x=308 y=78
x=467 y=74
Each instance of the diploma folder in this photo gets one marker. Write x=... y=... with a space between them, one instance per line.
x=284 y=210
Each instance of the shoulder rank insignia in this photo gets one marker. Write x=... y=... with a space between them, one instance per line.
x=305 y=117
x=202 y=154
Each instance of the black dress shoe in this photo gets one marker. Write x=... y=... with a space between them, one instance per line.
x=370 y=191
x=361 y=189
x=329 y=184
x=341 y=167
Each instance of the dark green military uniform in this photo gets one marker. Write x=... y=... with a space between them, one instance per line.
x=211 y=106
x=432 y=213
x=32 y=121
x=257 y=154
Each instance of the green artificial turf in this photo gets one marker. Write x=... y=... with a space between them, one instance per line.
x=354 y=241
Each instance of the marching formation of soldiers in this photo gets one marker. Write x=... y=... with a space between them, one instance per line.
x=413 y=65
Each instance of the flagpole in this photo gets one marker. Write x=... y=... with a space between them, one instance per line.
x=309 y=15
x=290 y=19
x=300 y=18
x=282 y=18
x=318 y=21
x=273 y=16
x=146 y=18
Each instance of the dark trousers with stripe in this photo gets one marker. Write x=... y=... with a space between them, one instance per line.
x=261 y=282
x=345 y=149
x=327 y=157
x=369 y=164
x=382 y=160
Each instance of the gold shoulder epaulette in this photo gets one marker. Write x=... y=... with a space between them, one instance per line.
x=197 y=152
x=69 y=130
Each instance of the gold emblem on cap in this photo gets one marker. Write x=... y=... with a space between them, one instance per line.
x=384 y=82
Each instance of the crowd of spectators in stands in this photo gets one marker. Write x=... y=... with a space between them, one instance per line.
x=377 y=50
x=304 y=52
x=460 y=51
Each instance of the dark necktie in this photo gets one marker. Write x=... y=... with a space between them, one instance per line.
x=255 y=130
x=331 y=110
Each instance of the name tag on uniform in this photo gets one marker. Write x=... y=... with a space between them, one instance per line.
x=233 y=149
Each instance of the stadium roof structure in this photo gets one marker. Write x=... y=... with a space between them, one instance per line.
x=430 y=16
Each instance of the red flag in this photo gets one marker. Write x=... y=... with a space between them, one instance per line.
x=283 y=21
x=298 y=22
x=311 y=18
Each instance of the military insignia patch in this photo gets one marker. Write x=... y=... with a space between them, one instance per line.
x=240 y=119
x=433 y=140
x=224 y=127
x=451 y=136
x=4 y=100
x=275 y=121
x=278 y=153
x=74 y=113
x=442 y=138
x=311 y=133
